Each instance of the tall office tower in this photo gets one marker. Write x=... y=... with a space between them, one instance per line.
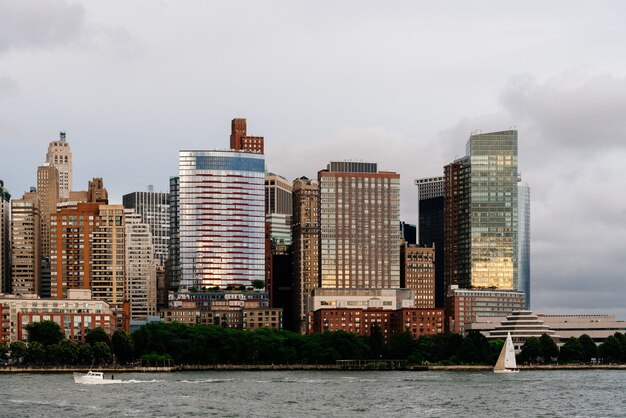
x=88 y=251
x=48 y=190
x=60 y=156
x=481 y=206
x=523 y=235
x=153 y=207
x=172 y=267
x=5 y=239
x=278 y=208
x=240 y=141
x=408 y=233
x=25 y=244
x=359 y=217
x=222 y=218
x=417 y=272
x=430 y=227
x=141 y=267
x=305 y=247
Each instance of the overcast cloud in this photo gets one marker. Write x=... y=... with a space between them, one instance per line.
x=403 y=84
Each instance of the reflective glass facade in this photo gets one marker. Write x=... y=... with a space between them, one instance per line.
x=493 y=210
x=221 y=203
x=523 y=224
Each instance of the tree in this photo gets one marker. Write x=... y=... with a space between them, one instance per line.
x=531 y=350
x=97 y=335
x=549 y=349
x=18 y=351
x=590 y=350
x=44 y=332
x=4 y=352
x=611 y=350
x=102 y=353
x=122 y=345
x=258 y=284
x=376 y=341
x=401 y=346
x=35 y=353
x=571 y=351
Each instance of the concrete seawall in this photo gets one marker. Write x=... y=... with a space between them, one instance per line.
x=283 y=367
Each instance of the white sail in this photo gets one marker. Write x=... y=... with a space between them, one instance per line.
x=506 y=361
x=509 y=358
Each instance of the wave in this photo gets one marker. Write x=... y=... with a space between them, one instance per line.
x=142 y=381
x=206 y=381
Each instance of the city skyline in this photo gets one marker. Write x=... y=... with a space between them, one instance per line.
x=382 y=103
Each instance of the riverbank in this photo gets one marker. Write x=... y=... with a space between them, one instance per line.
x=288 y=367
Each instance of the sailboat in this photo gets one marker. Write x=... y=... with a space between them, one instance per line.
x=506 y=361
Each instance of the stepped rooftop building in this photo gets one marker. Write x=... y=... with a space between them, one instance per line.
x=522 y=325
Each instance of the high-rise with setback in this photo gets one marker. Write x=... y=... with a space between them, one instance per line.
x=60 y=156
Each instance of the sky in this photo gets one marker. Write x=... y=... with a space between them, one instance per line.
x=401 y=83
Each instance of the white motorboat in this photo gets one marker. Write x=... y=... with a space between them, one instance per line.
x=506 y=361
x=94 y=378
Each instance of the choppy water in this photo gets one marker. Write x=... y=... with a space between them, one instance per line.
x=589 y=393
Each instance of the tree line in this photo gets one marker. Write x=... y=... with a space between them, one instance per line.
x=176 y=343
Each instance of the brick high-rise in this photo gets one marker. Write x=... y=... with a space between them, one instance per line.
x=305 y=229
x=359 y=217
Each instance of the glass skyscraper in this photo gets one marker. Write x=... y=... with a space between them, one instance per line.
x=222 y=218
x=481 y=219
x=493 y=209
x=523 y=231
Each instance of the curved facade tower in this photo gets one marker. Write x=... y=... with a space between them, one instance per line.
x=221 y=202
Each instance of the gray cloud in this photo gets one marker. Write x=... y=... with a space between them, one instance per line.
x=37 y=24
x=8 y=86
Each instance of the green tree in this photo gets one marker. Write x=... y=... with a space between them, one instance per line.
x=44 y=332
x=611 y=350
x=401 y=346
x=258 y=284
x=102 y=353
x=531 y=350
x=85 y=354
x=376 y=341
x=4 y=352
x=590 y=350
x=122 y=346
x=68 y=352
x=571 y=351
x=36 y=353
x=18 y=351
x=549 y=349
x=97 y=335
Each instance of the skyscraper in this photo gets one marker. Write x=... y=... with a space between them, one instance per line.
x=278 y=208
x=523 y=192
x=60 y=156
x=359 y=217
x=417 y=268
x=48 y=190
x=25 y=244
x=430 y=227
x=221 y=204
x=153 y=207
x=141 y=267
x=172 y=268
x=88 y=251
x=5 y=242
x=481 y=220
x=305 y=229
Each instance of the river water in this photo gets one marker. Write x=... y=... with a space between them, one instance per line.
x=567 y=393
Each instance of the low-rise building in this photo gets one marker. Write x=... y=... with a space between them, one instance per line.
x=76 y=314
x=416 y=321
x=464 y=305
x=598 y=327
